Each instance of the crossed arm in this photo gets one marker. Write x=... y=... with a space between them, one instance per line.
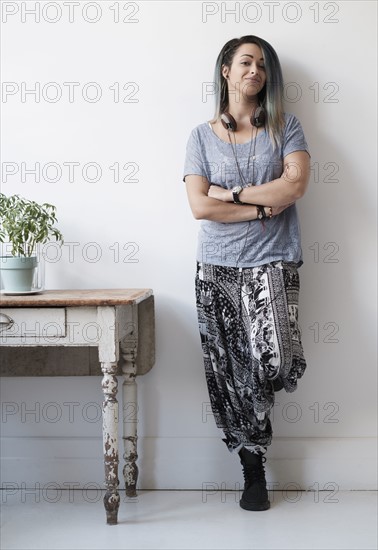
x=212 y=202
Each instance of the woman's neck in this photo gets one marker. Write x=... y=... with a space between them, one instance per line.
x=242 y=111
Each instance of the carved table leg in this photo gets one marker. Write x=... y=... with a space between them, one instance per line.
x=130 y=407
x=110 y=441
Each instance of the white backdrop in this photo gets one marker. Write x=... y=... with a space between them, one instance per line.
x=140 y=74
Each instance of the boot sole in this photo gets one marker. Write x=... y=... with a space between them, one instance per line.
x=254 y=506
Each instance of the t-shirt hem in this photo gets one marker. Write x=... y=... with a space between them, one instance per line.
x=193 y=174
x=249 y=265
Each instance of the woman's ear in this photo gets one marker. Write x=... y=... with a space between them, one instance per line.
x=225 y=71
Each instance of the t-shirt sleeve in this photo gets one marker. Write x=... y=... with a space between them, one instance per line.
x=193 y=159
x=294 y=139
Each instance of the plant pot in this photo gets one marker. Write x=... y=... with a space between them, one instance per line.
x=21 y=275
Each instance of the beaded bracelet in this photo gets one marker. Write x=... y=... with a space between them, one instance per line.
x=260 y=212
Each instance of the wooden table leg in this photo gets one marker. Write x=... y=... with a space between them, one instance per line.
x=130 y=412
x=110 y=440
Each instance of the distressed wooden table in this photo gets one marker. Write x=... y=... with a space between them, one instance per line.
x=119 y=322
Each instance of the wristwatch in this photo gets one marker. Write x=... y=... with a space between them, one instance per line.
x=235 y=193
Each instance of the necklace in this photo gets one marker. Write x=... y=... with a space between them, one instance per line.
x=242 y=179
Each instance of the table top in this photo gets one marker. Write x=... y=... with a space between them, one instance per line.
x=83 y=297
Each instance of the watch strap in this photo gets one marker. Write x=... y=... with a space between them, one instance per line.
x=235 y=194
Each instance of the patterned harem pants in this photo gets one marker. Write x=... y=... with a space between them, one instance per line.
x=251 y=342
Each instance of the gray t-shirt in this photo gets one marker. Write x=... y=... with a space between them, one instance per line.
x=245 y=244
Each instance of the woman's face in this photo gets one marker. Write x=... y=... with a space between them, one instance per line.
x=247 y=72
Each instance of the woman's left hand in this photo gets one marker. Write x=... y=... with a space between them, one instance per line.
x=218 y=192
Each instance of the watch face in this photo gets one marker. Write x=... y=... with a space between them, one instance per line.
x=237 y=189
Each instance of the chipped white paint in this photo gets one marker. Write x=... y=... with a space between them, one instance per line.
x=78 y=320
x=108 y=348
x=128 y=347
x=110 y=439
x=69 y=326
x=32 y=324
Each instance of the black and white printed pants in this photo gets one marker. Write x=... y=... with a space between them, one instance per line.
x=251 y=342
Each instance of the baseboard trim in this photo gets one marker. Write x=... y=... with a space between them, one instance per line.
x=320 y=464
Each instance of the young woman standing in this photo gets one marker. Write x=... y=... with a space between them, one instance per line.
x=244 y=171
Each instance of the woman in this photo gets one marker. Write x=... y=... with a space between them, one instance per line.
x=244 y=171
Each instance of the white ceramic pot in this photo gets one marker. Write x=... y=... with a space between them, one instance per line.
x=18 y=274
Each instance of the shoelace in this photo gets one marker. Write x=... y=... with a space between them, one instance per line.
x=254 y=472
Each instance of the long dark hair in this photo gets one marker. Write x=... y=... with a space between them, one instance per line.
x=271 y=96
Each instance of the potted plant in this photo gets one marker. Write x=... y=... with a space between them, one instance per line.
x=24 y=224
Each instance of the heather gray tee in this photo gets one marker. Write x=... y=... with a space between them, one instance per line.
x=245 y=244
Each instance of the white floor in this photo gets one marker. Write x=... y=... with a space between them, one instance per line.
x=189 y=520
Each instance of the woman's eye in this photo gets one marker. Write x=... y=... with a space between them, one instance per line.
x=248 y=63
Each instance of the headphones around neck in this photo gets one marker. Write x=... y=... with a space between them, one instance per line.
x=257 y=119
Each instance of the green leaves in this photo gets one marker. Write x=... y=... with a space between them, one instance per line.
x=25 y=223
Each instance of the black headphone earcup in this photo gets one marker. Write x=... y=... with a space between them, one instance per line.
x=228 y=121
x=258 y=117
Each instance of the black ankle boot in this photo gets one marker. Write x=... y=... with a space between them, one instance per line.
x=255 y=494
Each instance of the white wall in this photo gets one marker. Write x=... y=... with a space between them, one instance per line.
x=323 y=433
